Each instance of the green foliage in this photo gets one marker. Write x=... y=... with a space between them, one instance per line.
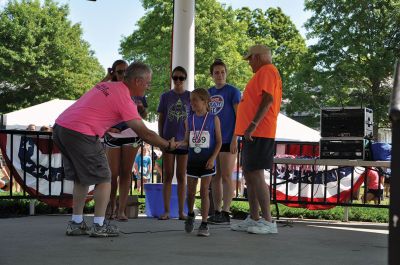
x=274 y=29
x=20 y=207
x=151 y=43
x=221 y=32
x=362 y=214
x=352 y=62
x=42 y=55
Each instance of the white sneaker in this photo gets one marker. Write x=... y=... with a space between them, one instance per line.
x=263 y=227
x=244 y=225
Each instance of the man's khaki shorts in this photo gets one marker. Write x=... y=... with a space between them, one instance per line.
x=84 y=158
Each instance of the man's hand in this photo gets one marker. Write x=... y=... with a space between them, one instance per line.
x=249 y=132
x=181 y=144
x=172 y=145
x=234 y=146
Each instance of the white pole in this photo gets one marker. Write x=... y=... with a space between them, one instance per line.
x=183 y=39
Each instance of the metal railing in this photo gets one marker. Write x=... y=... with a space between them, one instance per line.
x=38 y=166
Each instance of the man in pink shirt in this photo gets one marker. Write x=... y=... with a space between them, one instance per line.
x=374 y=185
x=77 y=132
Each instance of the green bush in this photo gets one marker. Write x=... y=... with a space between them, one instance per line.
x=239 y=209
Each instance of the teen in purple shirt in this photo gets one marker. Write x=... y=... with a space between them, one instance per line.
x=173 y=111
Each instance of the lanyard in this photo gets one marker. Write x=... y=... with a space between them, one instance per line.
x=197 y=137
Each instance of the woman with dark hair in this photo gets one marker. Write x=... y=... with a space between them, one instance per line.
x=173 y=111
x=224 y=101
x=120 y=154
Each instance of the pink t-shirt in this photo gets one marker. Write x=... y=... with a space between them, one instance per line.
x=373 y=180
x=105 y=105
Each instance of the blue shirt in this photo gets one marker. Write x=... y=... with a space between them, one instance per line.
x=209 y=126
x=221 y=104
x=145 y=165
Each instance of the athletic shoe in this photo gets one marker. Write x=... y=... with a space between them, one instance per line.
x=214 y=219
x=77 y=229
x=189 y=224
x=263 y=227
x=225 y=219
x=104 y=230
x=242 y=226
x=203 y=230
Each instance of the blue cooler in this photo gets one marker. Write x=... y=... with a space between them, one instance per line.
x=155 y=201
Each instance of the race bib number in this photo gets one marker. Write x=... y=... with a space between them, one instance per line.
x=203 y=142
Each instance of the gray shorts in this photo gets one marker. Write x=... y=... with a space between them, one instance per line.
x=258 y=154
x=84 y=158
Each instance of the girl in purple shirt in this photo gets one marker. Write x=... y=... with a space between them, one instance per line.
x=173 y=111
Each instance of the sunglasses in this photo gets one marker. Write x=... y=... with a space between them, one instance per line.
x=180 y=78
x=120 y=72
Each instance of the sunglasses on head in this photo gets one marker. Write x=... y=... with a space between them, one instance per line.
x=180 y=78
x=120 y=72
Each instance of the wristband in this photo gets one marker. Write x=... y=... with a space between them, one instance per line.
x=253 y=122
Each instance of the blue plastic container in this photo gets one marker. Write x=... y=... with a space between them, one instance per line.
x=155 y=201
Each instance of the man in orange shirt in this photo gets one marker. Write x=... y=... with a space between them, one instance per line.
x=256 y=120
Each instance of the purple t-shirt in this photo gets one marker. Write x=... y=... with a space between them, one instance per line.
x=175 y=108
x=221 y=104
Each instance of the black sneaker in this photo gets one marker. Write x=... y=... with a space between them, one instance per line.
x=214 y=219
x=225 y=218
x=189 y=224
x=203 y=230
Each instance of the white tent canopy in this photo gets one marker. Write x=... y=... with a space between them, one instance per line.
x=42 y=114
x=291 y=130
x=46 y=113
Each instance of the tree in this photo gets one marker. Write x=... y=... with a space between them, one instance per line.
x=353 y=60
x=42 y=55
x=274 y=29
x=221 y=32
x=217 y=35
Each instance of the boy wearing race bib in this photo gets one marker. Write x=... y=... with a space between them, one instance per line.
x=204 y=140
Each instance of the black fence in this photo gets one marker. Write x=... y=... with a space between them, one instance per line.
x=298 y=178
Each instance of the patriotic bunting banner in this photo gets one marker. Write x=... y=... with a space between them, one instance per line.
x=314 y=184
x=35 y=169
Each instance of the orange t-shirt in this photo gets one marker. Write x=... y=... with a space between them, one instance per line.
x=266 y=79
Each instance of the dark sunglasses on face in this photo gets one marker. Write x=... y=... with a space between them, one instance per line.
x=120 y=72
x=180 y=78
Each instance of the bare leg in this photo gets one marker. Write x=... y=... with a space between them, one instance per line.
x=227 y=161
x=192 y=187
x=139 y=184
x=128 y=156
x=114 y=160
x=169 y=164
x=181 y=178
x=205 y=199
x=79 y=197
x=216 y=186
x=101 y=198
x=251 y=196
x=258 y=194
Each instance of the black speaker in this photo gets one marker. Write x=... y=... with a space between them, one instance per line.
x=346 y=122
x=348 y=148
